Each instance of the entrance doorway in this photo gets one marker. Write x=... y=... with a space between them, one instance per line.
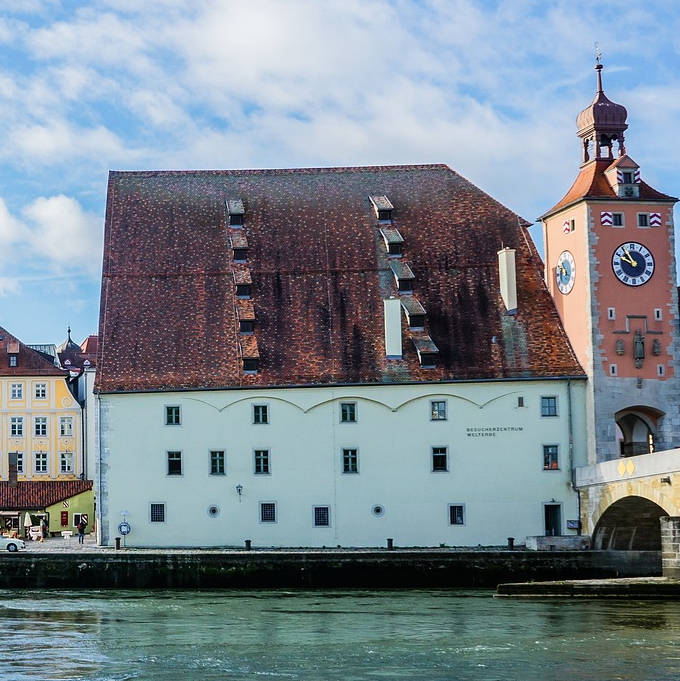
x=553 y=519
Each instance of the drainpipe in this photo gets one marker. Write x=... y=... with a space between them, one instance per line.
x=571 y=456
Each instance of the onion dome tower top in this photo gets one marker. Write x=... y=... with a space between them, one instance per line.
x=601 y=124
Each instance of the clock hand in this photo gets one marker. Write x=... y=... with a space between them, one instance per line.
x=630 y=258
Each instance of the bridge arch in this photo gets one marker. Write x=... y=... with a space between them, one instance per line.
x=629 y=524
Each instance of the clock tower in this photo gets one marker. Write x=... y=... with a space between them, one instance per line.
x=610 y=268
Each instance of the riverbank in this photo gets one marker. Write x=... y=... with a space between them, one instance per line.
x=58 y=564
x=622 y=588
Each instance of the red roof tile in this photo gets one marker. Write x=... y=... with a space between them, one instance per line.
x=320 y=271
x=33 y=495
x=29 y=362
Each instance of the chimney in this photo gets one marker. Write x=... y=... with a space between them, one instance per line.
x=392 y=310
x=508 y=279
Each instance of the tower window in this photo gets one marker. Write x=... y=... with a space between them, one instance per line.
x=643 y=219
x=611 y=313
x=617 y=219
x=627 y=177
x=660 y=370
x=613 y=370
x=658 y=315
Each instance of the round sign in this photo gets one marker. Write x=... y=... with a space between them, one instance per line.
x=124 y=528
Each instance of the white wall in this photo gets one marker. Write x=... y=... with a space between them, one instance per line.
x=498 y=477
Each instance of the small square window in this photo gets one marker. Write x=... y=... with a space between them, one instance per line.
x=395 y=249
x=548 y=406
x=246 y=326
x=40 y=391
x=260 y=414
x=16 y=391
x=385 y=216
x=157 y=513
x=172 y=416
x=322 y=516
x=350 y=461
x=174 y=463
x=236 y=220
x=268 y=512
x=440 y=460
x=243 y=290
x=348 y=412
x=405 y=285
x=240 y=255
x=250 y=365
x=218 y=462
x=550 y=458
x=627 y=177
x=438 y=410
x=456 y=514
x=262 y=461
x=617 y=219
x=416 y=321
x=643 y=219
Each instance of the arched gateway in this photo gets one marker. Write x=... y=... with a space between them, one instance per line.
x=630 y=524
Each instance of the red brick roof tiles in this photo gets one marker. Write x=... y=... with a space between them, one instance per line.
x=319 y=271
x=31 y=495
x=29 y=362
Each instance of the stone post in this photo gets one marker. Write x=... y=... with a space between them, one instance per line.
x=670 y=546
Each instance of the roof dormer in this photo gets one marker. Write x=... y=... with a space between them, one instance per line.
x=624 y=177
x=382 y=207
x=235 y=212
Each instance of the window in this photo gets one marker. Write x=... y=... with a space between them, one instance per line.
x=384 y=216
x=262 y=461
x=348 y=412
x=16 y=462
x=218 y=462
x=627 y=177
x=16 y=391
x=617 y=219
x=13 y=360
x=520 y=402
x=41 y=462
x=250 y=366
x=157 y=513
x=456 y=514
x=395 y=249
x=40 y=429
x=65 y=426
x=172 y=416
x=350 y=461
x=260 y=414
x=416 y=321
x=643 y=219
x=246 y=326
x=405 y=285
x=267 y=512
x=243 y=290
x=240 y=255
x=174 y=463
x=322 y=516
x=16 y=426
x=550 y=457
x=438 y=410
x=236 y=220
x=548 y=406
x=613 y=370
x=40 y=391
x=611 y=313
x=440 y=460
x=66 y=462
x=660 y=370
x=658 y=314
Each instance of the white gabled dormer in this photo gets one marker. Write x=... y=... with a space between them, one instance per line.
x=624 y=177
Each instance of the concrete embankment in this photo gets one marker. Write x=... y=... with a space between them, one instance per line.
x=622 y=588
x=220 y=569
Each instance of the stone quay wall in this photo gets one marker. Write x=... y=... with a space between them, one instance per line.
x=263 y=569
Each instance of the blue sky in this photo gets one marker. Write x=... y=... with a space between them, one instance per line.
x=491 y=88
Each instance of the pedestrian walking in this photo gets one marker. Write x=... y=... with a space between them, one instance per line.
x=81 y=532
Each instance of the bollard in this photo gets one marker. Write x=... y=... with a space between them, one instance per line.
x=390 y=544
x=248 y=544
x=117 y=543
x=511 y=543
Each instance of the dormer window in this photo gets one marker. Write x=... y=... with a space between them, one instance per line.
x=627 y=177
x=384 y=216
x=382 y=207
x=415 y=312
x=246 y=326
x=240 y=255
x=403 y=275
x=13 y=360
x=393 y=241
x=236 y=220
x=243 y=291
x=428 y=352
x=250 y=365
x=235 y=212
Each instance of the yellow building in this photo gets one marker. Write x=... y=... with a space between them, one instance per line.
x=41 y=443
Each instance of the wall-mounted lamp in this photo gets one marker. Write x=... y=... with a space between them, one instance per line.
x=239 y=491
x=667 y=480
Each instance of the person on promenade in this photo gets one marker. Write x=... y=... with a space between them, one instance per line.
x=81 y=532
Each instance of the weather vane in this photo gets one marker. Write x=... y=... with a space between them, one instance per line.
x=598 y=54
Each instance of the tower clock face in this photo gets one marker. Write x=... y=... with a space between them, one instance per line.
x=565 y=272
x=633 y=264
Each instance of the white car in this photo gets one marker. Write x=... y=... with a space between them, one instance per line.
x=11 y=544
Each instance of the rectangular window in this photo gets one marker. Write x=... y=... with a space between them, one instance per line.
x=520 y=402
x=611 y=313
x=440 y=459
x=660 y=370
x=250 y=365
x=65 y=426
x=262 y=461
x=243 y=291
x=548 y=406
x=16 y=426
x=13 y=360
x=16 y=391
x=550 y=457
x=658 y=314
x=40 y=429
x=16 y=463
x=438 y=410
x=41 y=462
x=405 y=285
x=350 y=461
x=348 y=412
x=617 y=219
x=218 y=462
x=66 y=462
x=267 y=512
x=236 y=220
x=40 y=391
x=456 y=514
x=613 y=370
x=172 y=416
x=322 y=516
x=246 y=326
x=174 y=463
x=643 y=219
x=240 y=255
x=157 y=513
x=395 y=249
x=260 y=414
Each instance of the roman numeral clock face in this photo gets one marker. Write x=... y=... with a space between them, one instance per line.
x=565 y=272
x=633 y=264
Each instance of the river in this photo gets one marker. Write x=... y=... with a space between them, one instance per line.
x=329 y=635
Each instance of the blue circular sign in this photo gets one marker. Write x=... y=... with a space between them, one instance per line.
x=124 y=528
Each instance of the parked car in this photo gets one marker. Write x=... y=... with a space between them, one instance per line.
x=11 y=544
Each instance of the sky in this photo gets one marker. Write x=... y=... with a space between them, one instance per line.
x=491 y=88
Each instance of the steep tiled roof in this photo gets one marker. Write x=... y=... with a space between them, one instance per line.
x=320 y=271
x=29 y=362
x=591 y=183
x=32 y=495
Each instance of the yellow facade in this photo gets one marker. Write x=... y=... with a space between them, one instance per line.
x=40 y=429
